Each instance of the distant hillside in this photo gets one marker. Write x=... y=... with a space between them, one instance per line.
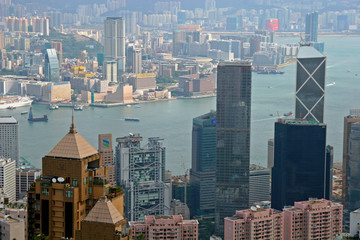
x=73 y=45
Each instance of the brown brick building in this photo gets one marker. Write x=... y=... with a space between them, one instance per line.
x=74 y=178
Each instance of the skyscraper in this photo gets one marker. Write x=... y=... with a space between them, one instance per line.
x=9 y=138
x=353 y=169
x=114 y=32
x=300 y=167
x=232 y=140
x=203 y=170
x=51 y=69
x=310 y=84
x=311 y=27
x=141 y=173
x=105 y=148
x=349 y=120
x=137 y=61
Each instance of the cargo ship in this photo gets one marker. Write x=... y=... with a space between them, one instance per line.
x=39 y=119
x=14 y=102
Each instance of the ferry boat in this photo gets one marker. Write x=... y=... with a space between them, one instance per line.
x=24 y=113
x=78 y=107
x=132 y=119
x=14 y=102
x=288 y=114
x=53 y=107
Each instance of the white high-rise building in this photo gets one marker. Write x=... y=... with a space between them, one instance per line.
x=9 y=138
x=114 y=44
x=8 y=178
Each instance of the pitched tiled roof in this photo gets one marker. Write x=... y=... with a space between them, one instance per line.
x=73 y=145
x=104 y=212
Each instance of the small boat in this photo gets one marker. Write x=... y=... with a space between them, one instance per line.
x=330 y=84
x=132 y=119
x=271 y=115
x=53 y=107
x=288 y=114
x=24 y=113
x=128 y=105
x=11 y=107
x=78 y=107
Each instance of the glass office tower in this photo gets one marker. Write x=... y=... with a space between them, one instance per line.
x=232 y=140
x=301 y=169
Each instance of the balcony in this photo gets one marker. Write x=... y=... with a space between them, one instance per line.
x=114 y=192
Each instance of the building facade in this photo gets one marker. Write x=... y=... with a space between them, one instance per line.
x=105 y=222
x=233 y=139
x=141 y=173
x=310 y=84
x=165 y=227
x=300 y=167
x=8 y=178
x=12 y=228
x=9 y=138
x=203 y=170
x=254 y=223
x=352 y=118
x=73 y=179
x=311 y=27
x=313 y=219
x=259 y=186
x=24 y=178
x=114 y=47
x=307 y=220
x=52 y=67
x=105 y=148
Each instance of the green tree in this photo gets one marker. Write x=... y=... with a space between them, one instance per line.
x=140 y=237
x=40 y=237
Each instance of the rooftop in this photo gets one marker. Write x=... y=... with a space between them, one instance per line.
x=7 y=119
x=309 y=52
x=73 y=145
x=238 y=63
x=104 y=212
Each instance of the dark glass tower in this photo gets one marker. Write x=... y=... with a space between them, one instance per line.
x=232 y=140
x=353 y=172
x=310 y=84
x=311 y=27
x=203 y=170
x=302 y=163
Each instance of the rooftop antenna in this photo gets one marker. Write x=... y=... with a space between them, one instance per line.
x=72 y=128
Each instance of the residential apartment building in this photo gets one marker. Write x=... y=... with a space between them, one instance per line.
x=24 y=178
x=308 y=220
x=165 y=227
x=9 y=138
x=8 y=178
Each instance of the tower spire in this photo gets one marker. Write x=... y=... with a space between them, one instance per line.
x=72 y=127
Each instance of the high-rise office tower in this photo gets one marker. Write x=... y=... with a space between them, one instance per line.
x=51 y=69
x=73 y=179
x=203 y=170
x=105 y=148
x=311 y=27
x=353 y=169
x=232 y=139
x=9 y=138
x=310 y=84
x=114 y=46
x=352 y=118
x=8 y=178
x=141 y=173
x=137 y=61
x=301 y=169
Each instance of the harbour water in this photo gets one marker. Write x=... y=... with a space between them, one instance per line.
x=172 y=120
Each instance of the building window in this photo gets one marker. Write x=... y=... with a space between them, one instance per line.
x=90 y=179
x=45 y=191
x=68 y=194
x=85 y=180
x=37 y=206
x=90 y=190
x=75 y=182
